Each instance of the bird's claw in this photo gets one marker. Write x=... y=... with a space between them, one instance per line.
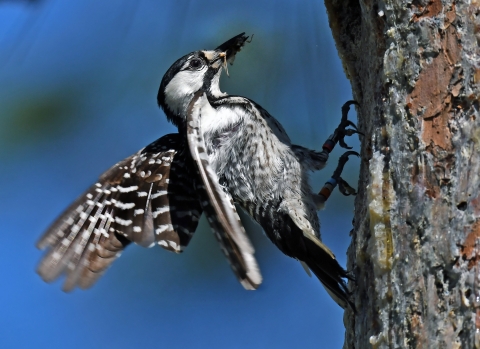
x=341 y=163
x=342 y=131
x=345 y=188
x=350 y=276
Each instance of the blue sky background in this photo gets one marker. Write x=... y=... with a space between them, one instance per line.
x=78 y=85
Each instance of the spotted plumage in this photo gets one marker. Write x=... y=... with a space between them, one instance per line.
x=149 y=198
x=229 y=150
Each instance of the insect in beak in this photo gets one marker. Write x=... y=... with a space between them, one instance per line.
x=224 y=56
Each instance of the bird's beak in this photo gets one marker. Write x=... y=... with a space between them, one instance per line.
x=230 y=47
x=225 y=53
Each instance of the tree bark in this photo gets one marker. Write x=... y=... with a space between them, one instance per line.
x=414 y=67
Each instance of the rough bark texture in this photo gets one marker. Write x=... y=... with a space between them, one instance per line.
x=414 y=67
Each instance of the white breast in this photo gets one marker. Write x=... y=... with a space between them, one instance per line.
x=219 y=119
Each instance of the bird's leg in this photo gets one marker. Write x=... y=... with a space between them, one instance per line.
x=338 y=136
x=316 y=160
x=343 y=186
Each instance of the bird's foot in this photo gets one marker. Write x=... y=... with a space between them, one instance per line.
x=336 y=178
x=343 y=186
x=342 y=130
x=349 y=275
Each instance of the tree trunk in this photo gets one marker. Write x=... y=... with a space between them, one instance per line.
x=414 y=67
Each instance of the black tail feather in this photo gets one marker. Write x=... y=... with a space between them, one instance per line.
x=336 y=287
x=326 y=268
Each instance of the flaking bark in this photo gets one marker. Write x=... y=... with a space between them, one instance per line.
x=414 y=67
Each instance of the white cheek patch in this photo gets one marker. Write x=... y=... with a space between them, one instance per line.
x=180 y=89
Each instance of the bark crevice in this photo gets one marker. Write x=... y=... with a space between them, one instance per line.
x=414 y=67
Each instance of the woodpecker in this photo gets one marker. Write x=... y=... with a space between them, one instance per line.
x=228 y=152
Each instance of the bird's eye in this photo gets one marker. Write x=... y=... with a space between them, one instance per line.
x=195 y=63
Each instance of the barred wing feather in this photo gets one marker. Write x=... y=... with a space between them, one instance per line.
x=147 y=198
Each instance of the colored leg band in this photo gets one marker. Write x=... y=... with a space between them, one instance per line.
x=328 y=145
x=332 y=181
x=328 y=188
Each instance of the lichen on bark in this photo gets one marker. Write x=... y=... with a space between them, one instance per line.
x=414 y=67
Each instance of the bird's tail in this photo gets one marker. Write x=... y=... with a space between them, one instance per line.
x=323 y=264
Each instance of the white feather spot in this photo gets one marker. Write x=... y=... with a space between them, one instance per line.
x=162 y=228
x=124 y=222
x=160 y=210
x=124 y=206
x=174 y=245
x=159 y=193
x=56 y=255
x=78 y=249
x=127 y=189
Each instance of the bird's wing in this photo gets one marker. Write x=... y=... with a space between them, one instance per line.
x=147 y=198
x=217 y=204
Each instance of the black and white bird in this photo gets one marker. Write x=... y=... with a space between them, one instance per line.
x=228 y=151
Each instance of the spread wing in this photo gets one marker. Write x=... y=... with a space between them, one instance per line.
x=147 y=198
x=218 y=205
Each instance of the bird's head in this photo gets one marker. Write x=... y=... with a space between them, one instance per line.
x=199 y=70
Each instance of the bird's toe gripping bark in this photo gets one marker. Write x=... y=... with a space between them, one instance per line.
x=342 y=131
x=343 y=186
